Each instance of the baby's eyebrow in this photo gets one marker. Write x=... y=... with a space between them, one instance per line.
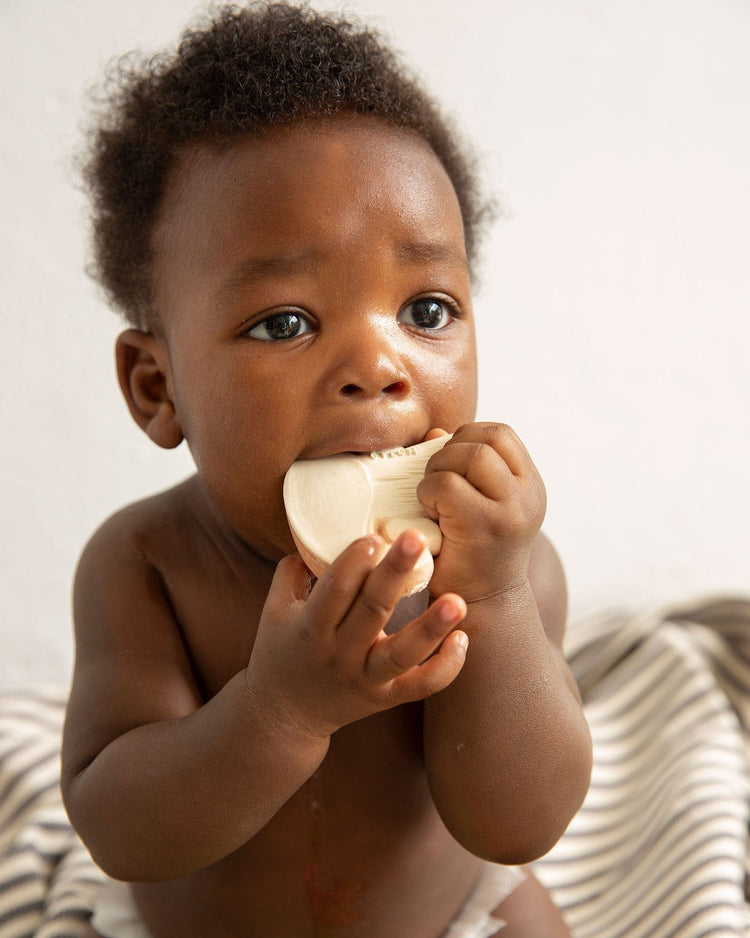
x=253 y=269
x=430 y=251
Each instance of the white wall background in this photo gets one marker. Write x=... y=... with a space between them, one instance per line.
x=614 y=310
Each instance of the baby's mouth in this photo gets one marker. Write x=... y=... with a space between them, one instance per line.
x=378 y=451
x=361 y=440
x=332 y=501
x=362 y=450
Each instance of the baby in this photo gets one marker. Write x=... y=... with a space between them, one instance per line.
x=288 y=223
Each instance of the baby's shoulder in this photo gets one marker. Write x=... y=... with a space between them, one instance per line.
x=134 y=566
x=143 y=533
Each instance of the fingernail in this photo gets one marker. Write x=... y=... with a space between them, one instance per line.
x=448 y=613
x=373 y=544
x=411 y=545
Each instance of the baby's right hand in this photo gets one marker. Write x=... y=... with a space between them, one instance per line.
x=321 y=658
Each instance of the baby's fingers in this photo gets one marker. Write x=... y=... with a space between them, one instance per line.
x=395 y=655
x=433 y=675
x=381 y=591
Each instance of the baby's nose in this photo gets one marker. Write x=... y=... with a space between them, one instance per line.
x=374 y=388
x=371 y=367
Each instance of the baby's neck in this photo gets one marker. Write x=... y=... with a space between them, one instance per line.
x=237 y=550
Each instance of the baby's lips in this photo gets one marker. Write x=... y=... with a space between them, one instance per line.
x=332 y=501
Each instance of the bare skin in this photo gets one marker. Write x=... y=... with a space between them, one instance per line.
x=260 y=753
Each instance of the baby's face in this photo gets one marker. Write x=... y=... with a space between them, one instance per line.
x=314 y=294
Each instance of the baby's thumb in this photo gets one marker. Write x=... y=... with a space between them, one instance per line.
x=291 y=583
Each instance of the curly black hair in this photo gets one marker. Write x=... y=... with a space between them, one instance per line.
x=243 y=70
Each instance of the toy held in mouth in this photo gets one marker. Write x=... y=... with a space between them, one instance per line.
x=332 y=501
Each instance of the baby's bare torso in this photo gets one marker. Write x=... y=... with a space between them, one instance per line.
x=360 y=849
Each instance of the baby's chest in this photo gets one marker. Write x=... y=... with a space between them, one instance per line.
x=218 y=626
x=366 y=801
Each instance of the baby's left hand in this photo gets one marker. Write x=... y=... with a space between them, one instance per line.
x=488 y=498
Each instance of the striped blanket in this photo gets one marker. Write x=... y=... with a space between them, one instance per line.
x=659 y=849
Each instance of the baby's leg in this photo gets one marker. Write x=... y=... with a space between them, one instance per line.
x=529 y=912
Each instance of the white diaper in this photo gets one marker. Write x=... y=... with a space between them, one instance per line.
x=475 y=919
x=115 y=914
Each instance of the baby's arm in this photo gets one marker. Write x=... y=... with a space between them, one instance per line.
x=160 y=783
x=506 y=744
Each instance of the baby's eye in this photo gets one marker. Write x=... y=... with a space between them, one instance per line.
x=279 y=327
x=429 y=313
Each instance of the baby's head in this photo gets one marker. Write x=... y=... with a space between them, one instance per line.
x=246 y=70
x=287 y=222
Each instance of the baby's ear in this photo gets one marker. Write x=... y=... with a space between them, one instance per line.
x=146 y=383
